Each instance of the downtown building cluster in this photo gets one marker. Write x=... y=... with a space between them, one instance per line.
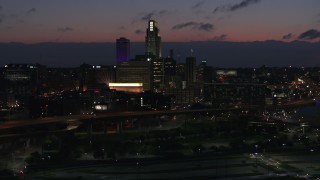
x=147 y=82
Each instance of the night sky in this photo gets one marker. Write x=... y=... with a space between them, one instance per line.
x=31 y=21
x=59 y=21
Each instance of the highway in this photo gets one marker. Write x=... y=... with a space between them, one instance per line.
x=201 y=167
x=12 y=124
x=106 y=116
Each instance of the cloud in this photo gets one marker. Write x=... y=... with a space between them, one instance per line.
x=287 y=36
x=184 y=25
x=194 y=25
x=234 y=7
x=138 y=31
x=310 y=34
x=65 y=29
x=197 y=5
x=217 y=9
x=147 y=16
x=243 y=4
x=1 y=8
x=162 y=12
x=222 y=37
x=206 y=27
x=31 y=11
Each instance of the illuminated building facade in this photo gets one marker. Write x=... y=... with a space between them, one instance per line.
x=235 y=95
x=164 y=70
x=204 y=73
x=169 y=70
x=123 y=49
x=157 y=74
x=184 y=95
x=135 y=72
x=127 y=87
x=23 y=79
x=153 y=40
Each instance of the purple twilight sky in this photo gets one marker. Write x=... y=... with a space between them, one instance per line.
x=226 y=33
x=33 y=21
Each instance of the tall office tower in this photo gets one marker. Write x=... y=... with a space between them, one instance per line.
x=190 y=69
x=24 y=79
x=200 y=71
x=153 y=40
x=157 y=74
x=123 y=50
x=169 y=69
x=171 y=53
x=21 y=81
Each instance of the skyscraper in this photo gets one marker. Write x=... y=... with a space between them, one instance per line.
x=157 y=74
x=153 y=40
x=123 y=50
x=190 y=69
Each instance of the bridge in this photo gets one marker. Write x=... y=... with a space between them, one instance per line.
x=6 y=126
x=108 y=116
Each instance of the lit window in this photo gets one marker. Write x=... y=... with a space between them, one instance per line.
x=151 y=26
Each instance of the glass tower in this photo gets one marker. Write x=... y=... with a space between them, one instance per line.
x=123 y=50
x=153 y=40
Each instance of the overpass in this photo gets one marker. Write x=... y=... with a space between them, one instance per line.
x=107 y=116
x=118 y=116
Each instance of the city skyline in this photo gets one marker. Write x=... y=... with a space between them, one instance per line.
x=150 y=89
x=197 y=20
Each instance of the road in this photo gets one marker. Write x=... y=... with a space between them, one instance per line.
x=195 y=168
x=114 y=115
x=103 y=116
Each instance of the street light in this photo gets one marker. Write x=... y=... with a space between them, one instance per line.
x=138 y=169
x=127 y=105
x=311 y=151
x=283 y=146
x=303 y=125
x=256 y=154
